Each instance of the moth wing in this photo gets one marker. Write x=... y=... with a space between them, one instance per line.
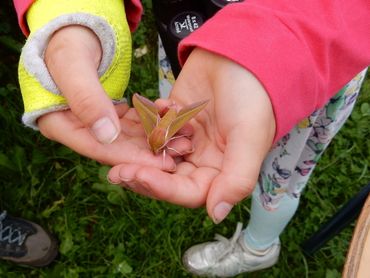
x=147 y=111
x=184 y=115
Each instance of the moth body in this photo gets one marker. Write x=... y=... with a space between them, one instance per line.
x=157 y=139
x=161 y=127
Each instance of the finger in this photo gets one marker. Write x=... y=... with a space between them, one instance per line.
x=187 y=187
x=72 y=57
x=133 y=115
x=121 y=109
x=244 y=155
x=137 y=188
x=179 y=146
x=131 y=128
x=162 y=103
x=66 y=129
x=187 y=129
x=125 y=177
x=129 y=120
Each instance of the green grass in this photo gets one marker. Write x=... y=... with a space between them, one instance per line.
x=104 y=231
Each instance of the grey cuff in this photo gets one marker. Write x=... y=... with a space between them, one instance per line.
x=34 y=49
x=30 y=118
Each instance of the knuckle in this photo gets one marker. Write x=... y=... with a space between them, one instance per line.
x=242 y=186
x=82 y=104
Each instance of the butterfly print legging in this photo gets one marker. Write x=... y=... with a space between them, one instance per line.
x=289 y=165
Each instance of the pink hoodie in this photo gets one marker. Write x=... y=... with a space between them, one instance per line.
x=303 y=52
x=134 y=10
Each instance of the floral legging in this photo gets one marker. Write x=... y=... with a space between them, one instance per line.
x=289 y=165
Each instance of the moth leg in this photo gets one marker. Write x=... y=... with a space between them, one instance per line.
x=176 y=137
x=163 y=157
x=173 y=149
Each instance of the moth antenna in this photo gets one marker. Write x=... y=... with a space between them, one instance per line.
x=173 y=149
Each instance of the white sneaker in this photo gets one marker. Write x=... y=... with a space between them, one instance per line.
x=228 y=257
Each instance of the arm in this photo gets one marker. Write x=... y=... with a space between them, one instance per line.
x=133 y=9
x=265 y=65
x=317 y=45
x=78 y=56
x=43 y=87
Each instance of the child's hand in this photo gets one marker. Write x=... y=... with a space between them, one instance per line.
x=130 y=146
x=231 y=137
x=72 y=58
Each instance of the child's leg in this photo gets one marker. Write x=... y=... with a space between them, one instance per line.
x=265 y=226
x=165 y=76
x=288 y=166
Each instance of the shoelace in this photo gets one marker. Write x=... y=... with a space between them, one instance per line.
x=230 y=243
x=9 y=234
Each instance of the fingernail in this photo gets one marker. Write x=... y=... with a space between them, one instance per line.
x=104 y=130
x=190 y=151
x=113 y=181
x=172 y=169
x=221 y=211
x=132 y=185
x=124 y=179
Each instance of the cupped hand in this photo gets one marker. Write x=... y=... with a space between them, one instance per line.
x=93 y=126
x=231 y=138
x=130 y=146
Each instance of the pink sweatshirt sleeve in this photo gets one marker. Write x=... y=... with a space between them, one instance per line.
x=21 y=7
x=133 y=8
x=302 y=52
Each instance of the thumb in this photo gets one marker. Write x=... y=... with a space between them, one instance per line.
x=72 y=57
x=243 y=158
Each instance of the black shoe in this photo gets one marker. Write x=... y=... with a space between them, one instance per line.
x=25 y=242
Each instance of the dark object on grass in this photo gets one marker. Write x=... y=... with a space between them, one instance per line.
x=24 y=242
x=337 y=223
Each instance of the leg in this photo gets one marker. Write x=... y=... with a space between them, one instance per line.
x=165 y=75
x=287 y=168
x=283 y=176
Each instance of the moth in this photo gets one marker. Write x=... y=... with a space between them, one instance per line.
x=160 y=128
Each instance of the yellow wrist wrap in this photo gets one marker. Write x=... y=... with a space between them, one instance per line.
x=38 y=99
